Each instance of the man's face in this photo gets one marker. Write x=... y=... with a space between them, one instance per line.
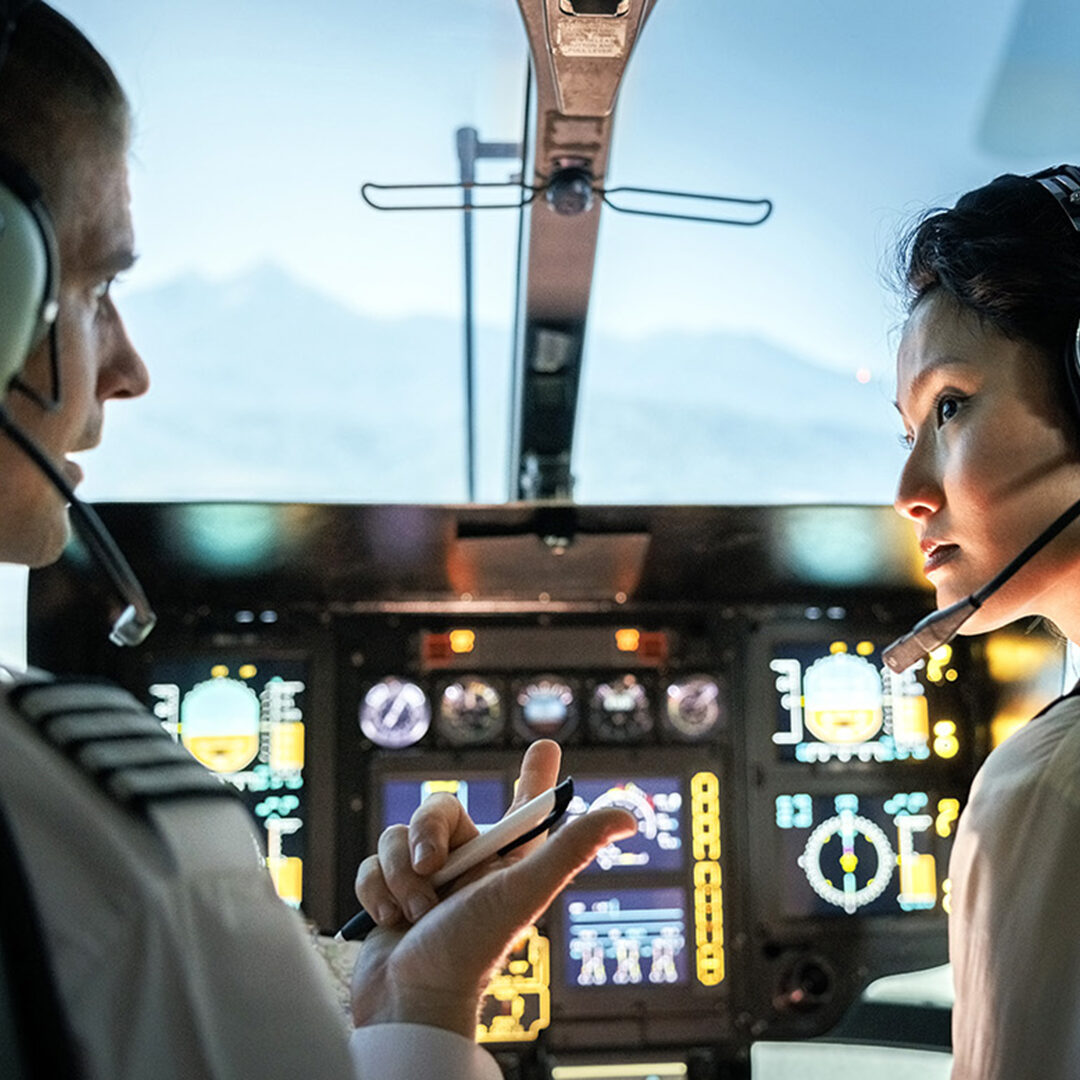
x=97 y=361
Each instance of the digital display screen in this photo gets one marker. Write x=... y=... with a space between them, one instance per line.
x=243 y=718
x=484 y=798
x=657 y=806
x=837 y=701
x=849 y=854
x=625 y=937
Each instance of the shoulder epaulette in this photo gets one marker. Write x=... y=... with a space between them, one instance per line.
x=112 y=738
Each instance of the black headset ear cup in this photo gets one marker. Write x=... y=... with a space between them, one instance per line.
x=1072 y=372
x=28 y=270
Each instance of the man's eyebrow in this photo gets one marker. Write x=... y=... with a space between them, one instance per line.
x=927 y=372
x=115 y=262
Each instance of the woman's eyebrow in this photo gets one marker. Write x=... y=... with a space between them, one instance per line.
x=928 y=371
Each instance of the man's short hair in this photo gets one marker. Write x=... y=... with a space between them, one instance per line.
x=56 y=89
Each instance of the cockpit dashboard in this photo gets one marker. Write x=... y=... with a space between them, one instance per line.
x=796 y=801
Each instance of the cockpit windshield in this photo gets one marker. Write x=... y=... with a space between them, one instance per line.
x=304 y=346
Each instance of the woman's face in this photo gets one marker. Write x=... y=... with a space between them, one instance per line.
x=990 y=465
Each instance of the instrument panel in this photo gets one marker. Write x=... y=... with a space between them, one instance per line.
x=796 y=801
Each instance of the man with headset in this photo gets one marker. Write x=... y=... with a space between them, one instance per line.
x=139 y=933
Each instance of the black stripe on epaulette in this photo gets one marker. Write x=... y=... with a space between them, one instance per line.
x=111 y=738
x=40 y=701
x=113 y=754
x=73 y=728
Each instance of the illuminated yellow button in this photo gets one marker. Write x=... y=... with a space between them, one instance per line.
x=248 y=671
x=838 y=647
x=462 y=641
x=627 y=640
x=287 y=874
x=286 y=747
x=219 y=671
x=848 y=861
x=865 y=648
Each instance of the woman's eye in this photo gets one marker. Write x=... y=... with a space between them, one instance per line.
x=101 y=290
x=906 y=439
x=948 y=405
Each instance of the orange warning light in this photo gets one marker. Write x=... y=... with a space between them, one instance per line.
x=462 y=641
x=627 y=640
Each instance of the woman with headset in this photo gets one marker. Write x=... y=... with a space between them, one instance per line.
x=988 y=390
x=987 y=378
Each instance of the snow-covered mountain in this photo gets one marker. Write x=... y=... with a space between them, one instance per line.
x=264 y=388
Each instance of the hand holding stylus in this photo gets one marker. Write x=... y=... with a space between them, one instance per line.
x=434 y=971
x=514 y=830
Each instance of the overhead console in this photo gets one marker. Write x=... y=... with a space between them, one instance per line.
x=716 y=671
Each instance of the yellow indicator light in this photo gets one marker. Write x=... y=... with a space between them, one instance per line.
x=219 y=671
x=838 y=647
x=948 y=812
x=652 y=1070
x=1005 y=724
x=946 y=744
x=286 y=747
x=429 y=787
x=848 y=861
x=462 y=641
x=1012 y=658
x=287 y=874
x=627 y=640
x=951 y=675
x=938 y=662
x=708 y=890
x=946 y=896
x=517 y=1001
x=248 y=671
x=865 y=648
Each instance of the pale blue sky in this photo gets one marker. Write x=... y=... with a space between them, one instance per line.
x=258 y=121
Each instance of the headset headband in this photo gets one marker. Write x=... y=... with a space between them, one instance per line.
x=1063 y=182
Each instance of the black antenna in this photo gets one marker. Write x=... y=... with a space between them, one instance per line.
x=470 y=150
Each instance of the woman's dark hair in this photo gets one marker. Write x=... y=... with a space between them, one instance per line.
x=1008 y=253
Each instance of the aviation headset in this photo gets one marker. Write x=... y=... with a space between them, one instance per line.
x=28 y=271
x=1063 y=182
x=29 y=282
x=29 y=261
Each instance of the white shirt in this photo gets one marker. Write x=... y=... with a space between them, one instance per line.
x=173 y=956
x=1014 y=931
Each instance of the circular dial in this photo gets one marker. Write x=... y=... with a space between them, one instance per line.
x=619 y=710
x=470 y=712
x=629 y=798
x=694 y=706
x=545 y=707
x=848 y=861
x=395 y=713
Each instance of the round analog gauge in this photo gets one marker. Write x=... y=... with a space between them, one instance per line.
x=694 y=706
x=471 y=712
x=395 y=713
x=619 y=710
x=545 y=707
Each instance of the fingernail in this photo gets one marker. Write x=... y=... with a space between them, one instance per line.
x=386 y=913
x=422 y=851
x=418 y=906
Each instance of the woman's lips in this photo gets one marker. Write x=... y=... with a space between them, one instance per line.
x=938 y=556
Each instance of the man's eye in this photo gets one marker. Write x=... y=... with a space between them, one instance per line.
x=906 y=439
x=101 y=290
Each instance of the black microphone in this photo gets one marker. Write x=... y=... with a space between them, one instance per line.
x=137 y=619
x=941 y=626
